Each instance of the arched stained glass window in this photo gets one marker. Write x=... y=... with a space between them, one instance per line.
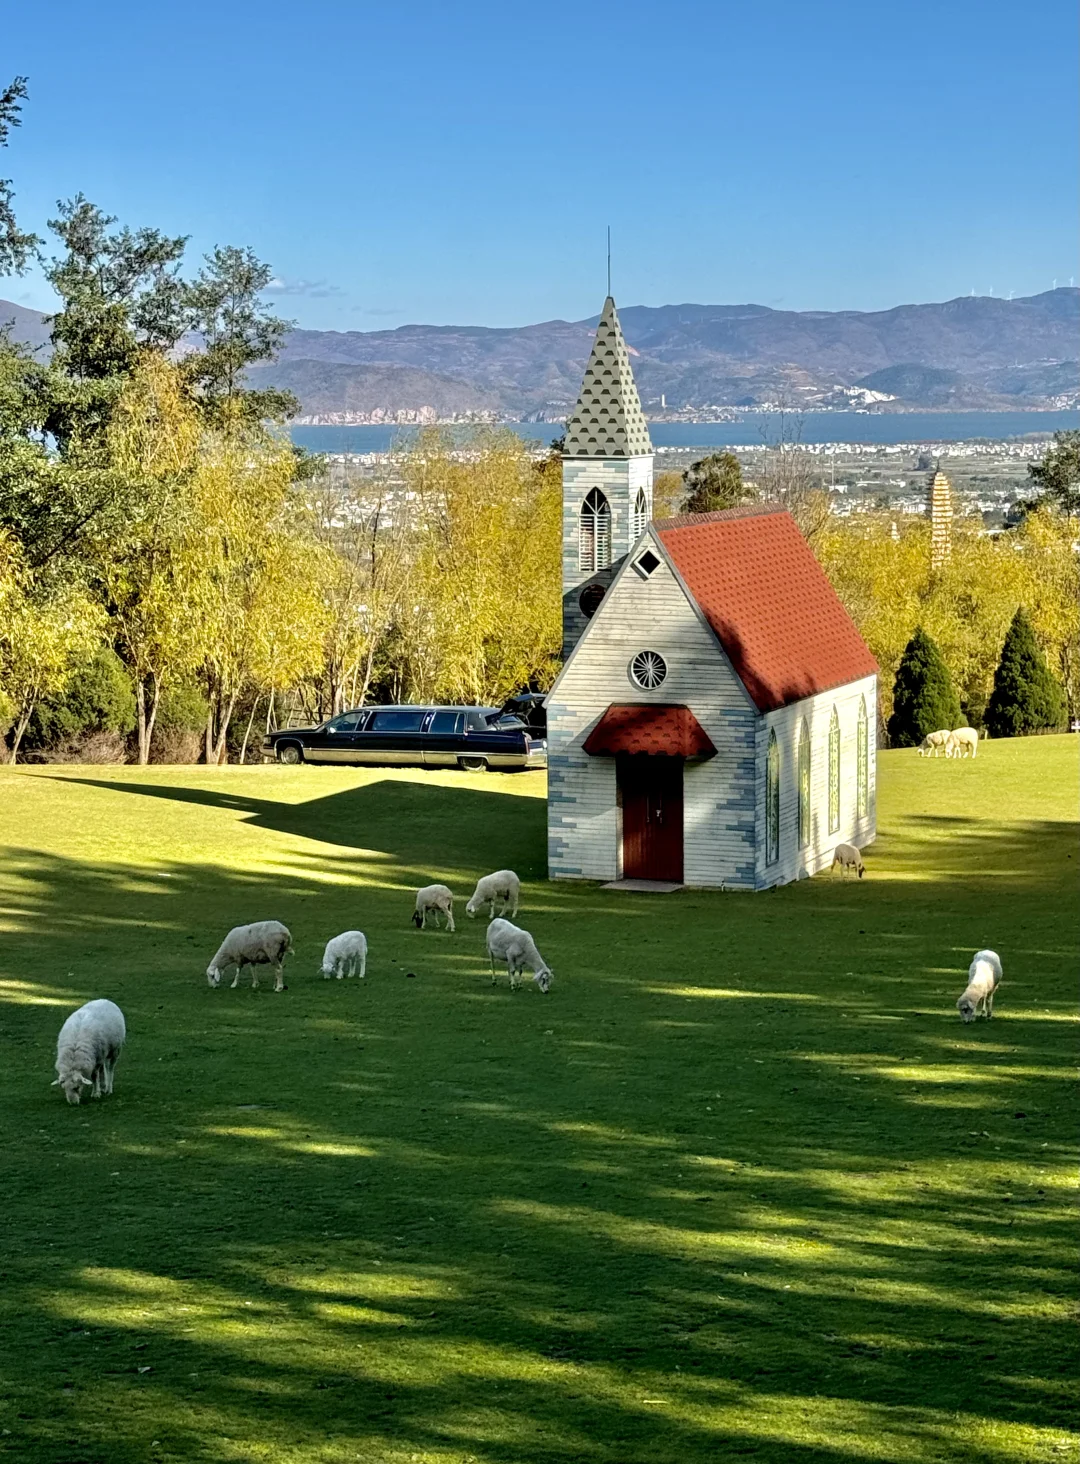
x=772 y=802
x=804 y=785
x=834 y=773
x=863 y=792
x=594 y=534
x=640 y=516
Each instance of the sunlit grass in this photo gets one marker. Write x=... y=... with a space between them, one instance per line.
x=740 y=1186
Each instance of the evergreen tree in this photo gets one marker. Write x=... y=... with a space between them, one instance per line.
x=1026 y=697
x=715 y=482
x=923 y=696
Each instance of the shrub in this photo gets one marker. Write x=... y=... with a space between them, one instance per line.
x=1026 y=697
x=180 y=725
x=923 y=696
x=98 y=700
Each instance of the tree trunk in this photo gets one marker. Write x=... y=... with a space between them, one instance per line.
x=20 y=727
x=140 y=713
x=151 y=720
x=208 y=738
x=221 y=754
x=247 y=734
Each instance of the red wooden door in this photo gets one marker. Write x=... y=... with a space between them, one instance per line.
x=651 y=793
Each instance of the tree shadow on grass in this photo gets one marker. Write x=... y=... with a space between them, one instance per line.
x=648 y=1218
x=406 y=820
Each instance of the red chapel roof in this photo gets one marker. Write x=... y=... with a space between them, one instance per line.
x=756 y=581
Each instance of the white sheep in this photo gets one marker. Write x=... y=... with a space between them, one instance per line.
x=265 y=943
x=935 y=742
x=848 y=857
x=88 y=1048
x=984 y=978
x=344 y=953
x=518 y=949
x=503 y=888
x=962 y=740
x=431 y=899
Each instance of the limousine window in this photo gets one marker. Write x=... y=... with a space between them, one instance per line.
x=348 y=723
x=397 y=721
x=447 y=723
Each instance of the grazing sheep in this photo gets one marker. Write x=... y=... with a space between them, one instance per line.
x=848 y=857
x=343 y=953
x=962 y=740
x=88 y=1048
x=935 y=742
x=266 y=943
x=433 y=898
x=984 y=978
x=518 y=949
x=502 y=888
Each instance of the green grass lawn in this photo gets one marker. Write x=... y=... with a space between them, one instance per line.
x=741 y=1186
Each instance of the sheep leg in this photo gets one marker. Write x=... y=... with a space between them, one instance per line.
x=363 y=964
x=279 y=977
x=450 y=919
x=236 y=978
x=491 y=959
x=989 y=1005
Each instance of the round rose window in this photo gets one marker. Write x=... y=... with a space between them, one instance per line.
x=648 y=670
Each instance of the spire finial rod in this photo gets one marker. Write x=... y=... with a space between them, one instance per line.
x=609 y=259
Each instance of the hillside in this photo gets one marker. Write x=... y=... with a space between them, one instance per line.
x=975 y=351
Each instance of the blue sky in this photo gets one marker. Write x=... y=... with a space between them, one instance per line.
x=459 y=161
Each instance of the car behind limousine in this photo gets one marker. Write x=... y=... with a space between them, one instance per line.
x=429 y=737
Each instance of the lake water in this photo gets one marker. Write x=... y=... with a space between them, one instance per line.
x=817 y=427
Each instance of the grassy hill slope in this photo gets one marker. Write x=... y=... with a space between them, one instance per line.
x=740 y=1186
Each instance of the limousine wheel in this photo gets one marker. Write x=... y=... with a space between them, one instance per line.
x=473 y=764
x=290 y=755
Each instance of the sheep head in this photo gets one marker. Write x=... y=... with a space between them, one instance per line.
x=72 y=1083
x=417 y=919
x=213 y=976
x=544 y=978
x=966 y=1007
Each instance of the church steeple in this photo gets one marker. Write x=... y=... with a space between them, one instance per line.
x=607 y=476
x=608 y=420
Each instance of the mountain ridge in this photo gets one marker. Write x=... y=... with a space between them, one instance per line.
x=689 y=359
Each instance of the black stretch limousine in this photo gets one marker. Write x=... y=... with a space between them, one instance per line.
x=430 y=737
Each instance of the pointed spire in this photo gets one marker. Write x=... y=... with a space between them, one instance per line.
x=608 y=421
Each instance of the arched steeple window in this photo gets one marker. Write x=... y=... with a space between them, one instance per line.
x=772 y=801
x=834 y=772
x=594 y=533
x=804 y=785
x=863 y=791
x=640 y=517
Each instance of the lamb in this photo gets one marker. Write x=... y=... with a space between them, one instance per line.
x=343 y=953
x=962 y=740
x=848 y=857
x=935 y=742
x=503 y=888
x=434 y=898
x=88 y=1048
x=518 y=949
x=984 y=978
x=266 y=943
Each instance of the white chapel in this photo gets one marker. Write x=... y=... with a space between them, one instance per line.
x=714 y=720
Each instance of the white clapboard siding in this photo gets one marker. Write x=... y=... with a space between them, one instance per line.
x=719 y=794
x=817 y=712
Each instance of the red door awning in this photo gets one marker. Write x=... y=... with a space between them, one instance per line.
x=663 y=731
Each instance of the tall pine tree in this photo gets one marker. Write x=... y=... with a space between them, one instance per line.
x=923 y=696
x=1026 y=697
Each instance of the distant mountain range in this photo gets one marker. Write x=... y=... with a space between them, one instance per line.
x=689 y=361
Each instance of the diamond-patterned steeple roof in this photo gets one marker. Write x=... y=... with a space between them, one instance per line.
x=608 y=421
